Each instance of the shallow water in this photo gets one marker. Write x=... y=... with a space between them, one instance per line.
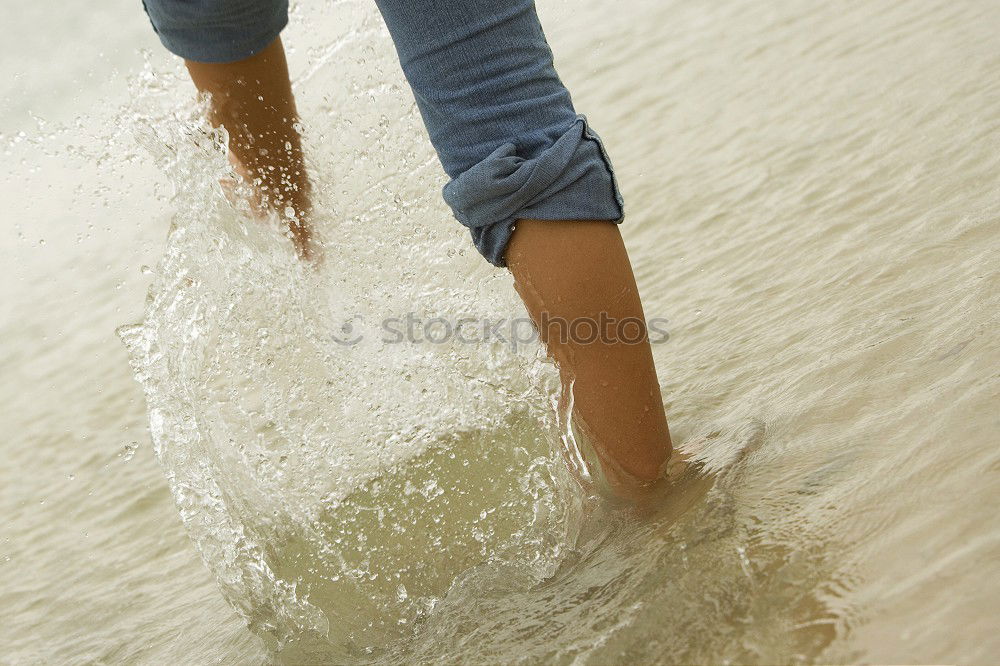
x=812 y=205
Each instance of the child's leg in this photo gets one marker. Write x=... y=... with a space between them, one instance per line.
x=576 y=281
x=232 y=51
x=252 y=99
x=519 y=156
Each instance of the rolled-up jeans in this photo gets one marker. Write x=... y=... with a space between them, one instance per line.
x=500 y=119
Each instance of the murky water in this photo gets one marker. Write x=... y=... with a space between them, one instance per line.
x=813 y=206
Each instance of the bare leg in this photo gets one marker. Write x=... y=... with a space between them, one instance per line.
x=576 y=271
x=253 y=100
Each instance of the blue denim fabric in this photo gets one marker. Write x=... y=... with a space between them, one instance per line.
x=500 y=119
x=502 y=122
x=217 y=30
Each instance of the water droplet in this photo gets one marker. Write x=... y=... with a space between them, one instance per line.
x=129 y=450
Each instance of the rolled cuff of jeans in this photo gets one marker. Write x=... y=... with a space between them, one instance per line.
x=572 y=179
x=216 y=31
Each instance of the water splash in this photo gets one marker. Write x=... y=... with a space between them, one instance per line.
x=319 y=479
x=398 y=503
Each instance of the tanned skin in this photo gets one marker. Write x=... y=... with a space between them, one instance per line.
x=253 y=100
x=576 y=281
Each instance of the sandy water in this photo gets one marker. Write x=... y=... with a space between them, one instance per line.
x=812 y=205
